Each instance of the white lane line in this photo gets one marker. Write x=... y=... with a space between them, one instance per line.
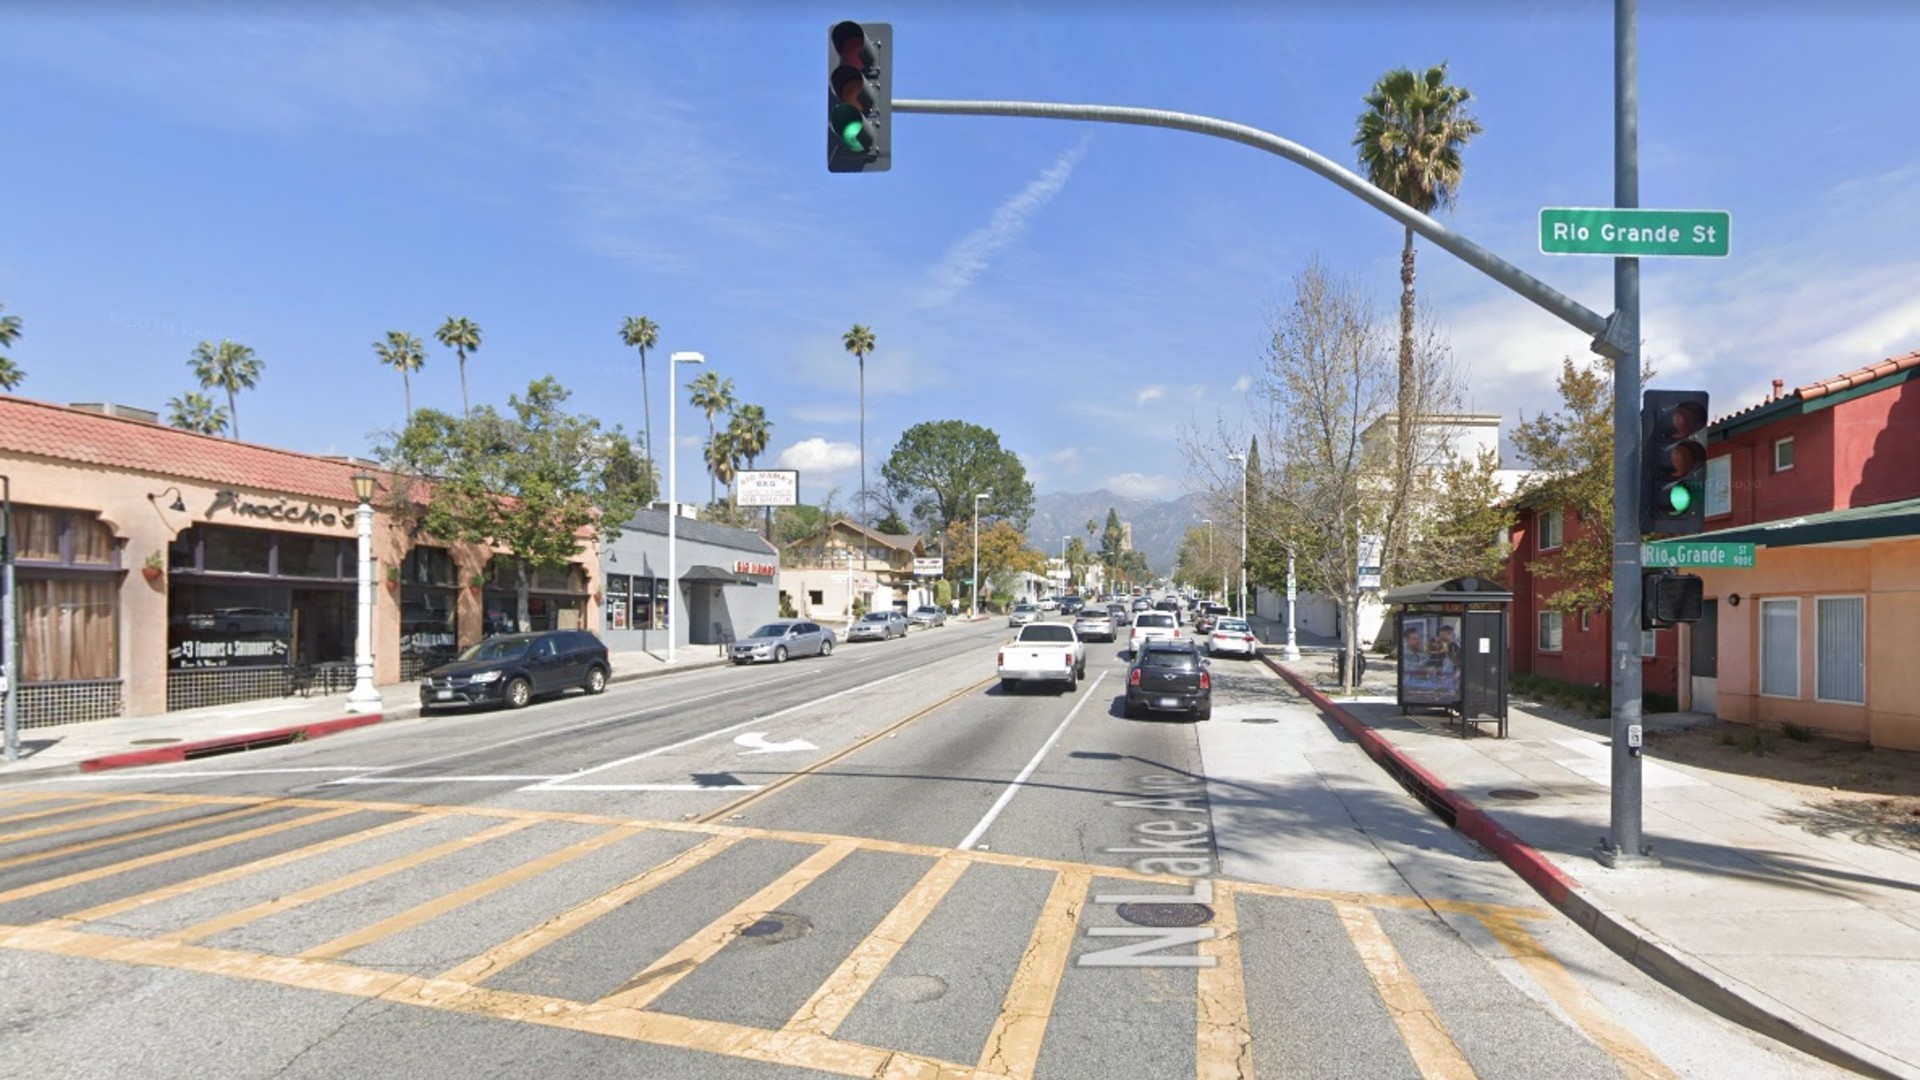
x=728 y=730
x=1007 y=795
x=441 y=779
x=158 y=773
x=646 y=787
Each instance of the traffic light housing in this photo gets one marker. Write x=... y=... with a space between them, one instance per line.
x=1673 y=462
x=859 y=97
x=1668 y=597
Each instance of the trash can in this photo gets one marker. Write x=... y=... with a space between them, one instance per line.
x=1340 y=666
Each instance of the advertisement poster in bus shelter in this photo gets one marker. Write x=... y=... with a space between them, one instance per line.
x=1430 y=659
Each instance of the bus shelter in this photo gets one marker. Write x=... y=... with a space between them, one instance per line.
x=1451 y=640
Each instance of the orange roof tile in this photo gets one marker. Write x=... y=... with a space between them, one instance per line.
x=1858 y=376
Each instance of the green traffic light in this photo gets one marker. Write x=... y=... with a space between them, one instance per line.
x=850 y=136
x=1679 y=498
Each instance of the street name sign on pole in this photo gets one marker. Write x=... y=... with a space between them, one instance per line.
x=1685 y=554
x=1580 y=230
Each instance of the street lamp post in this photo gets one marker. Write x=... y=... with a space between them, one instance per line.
x=974 y=598
x=673 y=492
x=1293 y=646
x=1241 y=458
x=364 y=697
x=1208 y=522
x=9 y=649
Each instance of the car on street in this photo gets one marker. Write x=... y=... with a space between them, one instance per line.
x=1231 y=637
x=1072 y=605
x=878 y=626
x=1205 y=612
x=1152 y=626
x=1141 y=603
x=513 y=669
x=1043 y=652
x=777 y=641
x=1094 y=623
x=1048 y=603
x=1122 y=616
x=1022 y=614
x=927 y=615
x=1169 y=677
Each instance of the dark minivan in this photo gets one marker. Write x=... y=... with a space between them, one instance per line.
x=513 y=669
x=1170 y=677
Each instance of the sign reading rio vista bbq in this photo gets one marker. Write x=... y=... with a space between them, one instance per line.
x=281 y=510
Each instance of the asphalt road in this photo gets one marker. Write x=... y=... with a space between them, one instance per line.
x=877 y=863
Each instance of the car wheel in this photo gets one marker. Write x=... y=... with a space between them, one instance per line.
x=780 y=654
x=826 y=648
x=1081 y=671
x=1073 y=683
x=519 y=692
x=1204 y=712
x=597 y=680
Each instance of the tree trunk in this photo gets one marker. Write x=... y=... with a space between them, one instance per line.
x=522 y=586
x=863 y=439
x=233 y=417
x=466 y=408
x=646 y=411
x=1352 y=642
x=1405 y=403
x=407 y=382
x=713 y=482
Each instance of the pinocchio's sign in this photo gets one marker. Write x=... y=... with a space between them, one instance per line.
x=280 y=510
x=754 y=569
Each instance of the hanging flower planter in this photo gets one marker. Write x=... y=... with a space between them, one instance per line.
x=154 y=568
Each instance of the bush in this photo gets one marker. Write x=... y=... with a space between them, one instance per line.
x=1595 y=701
x=1796 y=732
x=786 y=607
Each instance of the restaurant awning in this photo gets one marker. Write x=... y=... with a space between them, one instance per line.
x=1885 y=521
x=713 y=575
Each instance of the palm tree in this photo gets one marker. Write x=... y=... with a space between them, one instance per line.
x=859 y=342
x=640 y=332
x=196 y=412
x=712 y=395
x=749 y=431
x=1410 y=140
x=723 y=458
x=230 y=366
x=462 y=335
x=403 y=351
x=10 y=373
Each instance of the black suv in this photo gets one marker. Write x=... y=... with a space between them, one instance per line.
x=512 y=669
x=1172 y=677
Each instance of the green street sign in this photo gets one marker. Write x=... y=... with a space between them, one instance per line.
x=1687 y=554
x=1599 y=231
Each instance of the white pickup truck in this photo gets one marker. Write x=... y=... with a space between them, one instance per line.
x=1043 y=652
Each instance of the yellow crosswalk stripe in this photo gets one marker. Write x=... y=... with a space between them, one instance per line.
x=686 y=957
x=128 y=838
x=1426 y=1038
x=1632 y=1055
x=86 y=823
x=67 y=807
x=1013 y=1045
x=1225 y=1031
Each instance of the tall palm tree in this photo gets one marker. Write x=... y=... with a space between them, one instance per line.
x=712 y=395
x=1410 y=140
x=462 y=335
x=749 y=430
x=640 y=332
x=10 y=373
x=723 y=458
x=230 y=366
x=403 y=352
x=193 y=411
x=859 y=342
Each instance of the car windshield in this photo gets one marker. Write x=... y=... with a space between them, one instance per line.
x=1047 y=632
x=875 y=616
x=497 y=649
x=773 y=629
x=1236 y=625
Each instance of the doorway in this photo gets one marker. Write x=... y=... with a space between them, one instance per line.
x=1703 y=664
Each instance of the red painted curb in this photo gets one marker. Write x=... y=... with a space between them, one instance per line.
x=161 y=755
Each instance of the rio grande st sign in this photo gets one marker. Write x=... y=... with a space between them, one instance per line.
x=1634 y=233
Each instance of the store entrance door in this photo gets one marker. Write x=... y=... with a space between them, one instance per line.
x=323 y=626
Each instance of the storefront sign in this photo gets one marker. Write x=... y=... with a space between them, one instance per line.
x=191 y=654
x=754 y=569
x=768 y=487
x=284 y=511
x=929 y=567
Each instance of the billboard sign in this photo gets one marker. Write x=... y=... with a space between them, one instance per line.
x=929 y=567
x=769 y=487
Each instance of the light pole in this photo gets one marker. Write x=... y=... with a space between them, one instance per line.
x=974 y=599
x=673 y=492
x=1293 y=646
x=1208 y=522
x=849 y=554
x=364 y=697
x=9 y=658
x=1067 y=581
x=1241 y=458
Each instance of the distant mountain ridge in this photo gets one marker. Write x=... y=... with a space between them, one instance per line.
x=1157 y=525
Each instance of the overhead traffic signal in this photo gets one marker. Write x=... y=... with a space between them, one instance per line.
x=1673 y=462
x=1668 y=597
x=859 y=97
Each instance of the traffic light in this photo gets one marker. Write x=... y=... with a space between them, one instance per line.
x=859 y=97
x=1673 y=461
x=1668 y=597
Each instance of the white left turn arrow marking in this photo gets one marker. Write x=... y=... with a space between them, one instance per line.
x=756 y=743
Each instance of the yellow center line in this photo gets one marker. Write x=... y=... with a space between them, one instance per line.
x=1225 y=1050
x=86 y=823
x=435 y=908
x=686 y=957
x=834 y=1001
x=130 y=837
x=1426 y=1038
x=67 y=807
x=234 y=919
x=84 y=876
x=1013 y=1045
x=1632 y=1055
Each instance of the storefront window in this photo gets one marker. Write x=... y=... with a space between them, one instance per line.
x=310 y=556
x=429 y=610
x=430 y=566
x=69 y=596
x=236 y=551
x=71 y=537
x=617 y=600
x=221 y=626
x=556 y=600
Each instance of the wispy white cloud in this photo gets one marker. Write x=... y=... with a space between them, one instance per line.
x=818 y=455
x=1243 y=384
x=1149 y=394
x=1135 y=485
x=967 y=259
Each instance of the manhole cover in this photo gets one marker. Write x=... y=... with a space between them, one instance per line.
x=1513 y=794
x=152 y=742
x=1260 y=720
x=1166 y=914
x=775 y=927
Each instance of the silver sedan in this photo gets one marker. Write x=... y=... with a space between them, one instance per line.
x=778 y=640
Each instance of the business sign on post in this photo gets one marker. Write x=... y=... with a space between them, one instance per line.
x=1372 y=545
x=929 y=567
x=769 y=487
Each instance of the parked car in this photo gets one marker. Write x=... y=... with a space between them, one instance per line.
x=776 y=641
x=878 y=626
x=513 y=669
x=1043 y=652
x=1206 y=611
x=1231 y=637
x=926 y=615
x=1169 y=677
x=1152 y=626
x=1048 y=603
x=1022 y=614
x=1095 y=623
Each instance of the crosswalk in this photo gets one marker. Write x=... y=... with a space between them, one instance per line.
x=860 y=957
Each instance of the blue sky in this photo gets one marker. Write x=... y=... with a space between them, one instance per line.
x=304 y=178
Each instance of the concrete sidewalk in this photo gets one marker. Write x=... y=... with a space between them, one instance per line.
x=130 y=741
x=1757 y=906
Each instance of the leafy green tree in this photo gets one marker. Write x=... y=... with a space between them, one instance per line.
x=892 y=525
x=196 y=412
x=462 y=335
x=10 y=373
x=712 y=395
x=404 y=353
x=723 y=459
x=230 y=366
x=529 y=482
x=1113 y=544
x=938 y=466
x=1079 y=557
x=642 y=333
x=859 y=342
x=1459 y=532
x=1409 y=141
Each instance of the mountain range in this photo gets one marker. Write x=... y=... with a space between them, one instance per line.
x=1157 y=526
